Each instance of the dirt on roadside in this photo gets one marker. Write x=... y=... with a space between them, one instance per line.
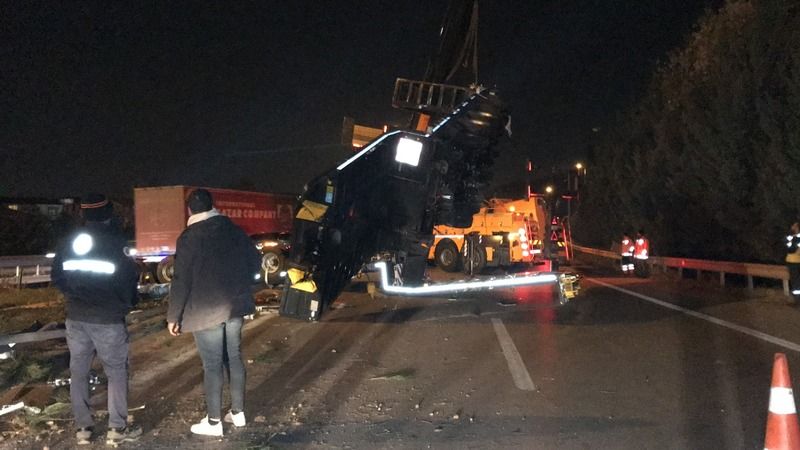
x=38 y=374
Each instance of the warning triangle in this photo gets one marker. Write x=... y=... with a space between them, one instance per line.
x=554 y=236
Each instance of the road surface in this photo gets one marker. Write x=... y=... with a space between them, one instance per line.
x=632 y=363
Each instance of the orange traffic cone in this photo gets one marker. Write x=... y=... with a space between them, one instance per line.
x=783 y=431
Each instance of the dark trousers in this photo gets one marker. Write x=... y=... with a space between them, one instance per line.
x=794 y=279
x=626 y=263
x=640 y=268
x=110 y=343
x=220 y=346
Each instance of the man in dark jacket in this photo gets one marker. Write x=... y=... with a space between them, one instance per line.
x=215 y=267
x=99 y=284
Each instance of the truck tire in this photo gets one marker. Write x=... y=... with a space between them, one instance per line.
x=166 y=270
x=272 y=264
x=476 y=262
x=447 y=256
x=145 y=271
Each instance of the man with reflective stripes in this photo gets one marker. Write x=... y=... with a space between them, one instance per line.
x=626 y=253
x=641 y=252
x=99 y=284
x=793 y=260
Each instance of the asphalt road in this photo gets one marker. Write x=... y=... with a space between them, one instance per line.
x=612 y=371
x=631 y=363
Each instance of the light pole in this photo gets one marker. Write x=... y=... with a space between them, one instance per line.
x=549 y=217
x=578 y=169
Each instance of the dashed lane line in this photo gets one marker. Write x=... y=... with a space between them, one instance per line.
x=723 y=323
x=522 y=379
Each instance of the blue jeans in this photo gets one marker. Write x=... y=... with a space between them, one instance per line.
x=110 y=343
x=220 y=346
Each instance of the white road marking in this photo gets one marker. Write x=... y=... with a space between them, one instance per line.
x=519 y=372
x=723 y=323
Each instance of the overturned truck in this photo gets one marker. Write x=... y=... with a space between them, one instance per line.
x=382 y=204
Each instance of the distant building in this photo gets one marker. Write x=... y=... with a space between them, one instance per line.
x=357 y=136
x=50 y=208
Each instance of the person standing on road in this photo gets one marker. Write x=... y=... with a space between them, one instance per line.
x=793 y=260
x=641 y=252
x=99 y=284
x=215 y=266
x=626 y=253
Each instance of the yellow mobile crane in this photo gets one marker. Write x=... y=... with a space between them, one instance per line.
x=508 y=231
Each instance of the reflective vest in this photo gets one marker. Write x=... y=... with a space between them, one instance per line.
x=86 y=258
x=642 y=248
x=792 y=245
x=626 y=249
x=97 y=278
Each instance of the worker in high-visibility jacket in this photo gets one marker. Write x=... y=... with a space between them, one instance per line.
x=98 y=279
x=626 y=253
x=641 y=252
x=793 y=260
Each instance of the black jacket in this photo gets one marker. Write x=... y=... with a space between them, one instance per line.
x=98 y=280
x=215 y=268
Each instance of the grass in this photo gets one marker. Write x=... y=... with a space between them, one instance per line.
x=266 y=358
x=28 y=296
x=54 y=411
x=24 y=370
x=21 y=309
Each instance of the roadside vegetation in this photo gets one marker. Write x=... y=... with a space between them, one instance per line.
x=29 y=309
x=708 y=160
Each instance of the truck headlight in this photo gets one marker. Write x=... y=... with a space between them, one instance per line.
x=408 y=151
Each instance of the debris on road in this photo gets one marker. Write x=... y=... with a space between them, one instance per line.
x=6 y=351
x=263 y=309
x=6 y=409
x=400 y=375
x=93 y=379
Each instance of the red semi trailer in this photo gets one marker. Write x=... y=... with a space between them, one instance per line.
x=160 y=215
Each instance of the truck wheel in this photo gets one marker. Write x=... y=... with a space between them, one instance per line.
x=166 y=269
x=447 y=256
x=476 y=262
x=272 y=264
x=145 y=272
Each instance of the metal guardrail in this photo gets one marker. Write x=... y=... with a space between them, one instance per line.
x=32 y=260
x=34 y=336
x=749 y=270
x=23 y=270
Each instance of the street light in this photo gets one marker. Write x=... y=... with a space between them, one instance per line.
x=580 y=170
x=549 y=189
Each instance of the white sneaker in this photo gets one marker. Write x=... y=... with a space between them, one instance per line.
x=236 y=419
x=206 y=428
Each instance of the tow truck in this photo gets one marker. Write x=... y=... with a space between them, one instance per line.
x=510 y=229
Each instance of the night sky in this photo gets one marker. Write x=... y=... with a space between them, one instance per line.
x=253 y=93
